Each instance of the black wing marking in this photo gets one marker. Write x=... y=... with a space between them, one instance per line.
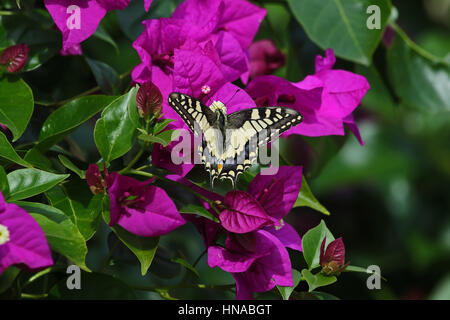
x=194 y=113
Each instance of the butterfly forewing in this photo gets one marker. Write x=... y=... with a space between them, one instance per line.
x=195 y=114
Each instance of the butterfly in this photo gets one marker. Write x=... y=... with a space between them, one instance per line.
x=230 y=142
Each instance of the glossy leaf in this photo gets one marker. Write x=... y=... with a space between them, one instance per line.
x=187 y=265
x=4 y=186
x=317 y=280
x=311 y=242
x=37 y=159
x=341 y=25
x=62 y=235
x=106 y=77
x=198 y=210
x=102 y=34
x=114 y=132
x=7 y=152
x=417 y=80
x=67 y=118
x=287 y=291
x=143 y=247
x=161 y=125
x=71 y=166
x=307 y=199
x=16 y=104
x=25 y=183
x=86 y=218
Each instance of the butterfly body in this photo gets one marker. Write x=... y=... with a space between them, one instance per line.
x=230 y=142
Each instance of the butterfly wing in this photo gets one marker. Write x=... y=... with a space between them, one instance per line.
x=195 y=114
x=249 y=129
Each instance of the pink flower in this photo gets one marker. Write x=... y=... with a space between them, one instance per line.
x=268 y=199
x=22 y=241
x=326 y=99
x=78 y=19
x=265 y=58
x=258 y=261
x=204 y=43
x=141 y=208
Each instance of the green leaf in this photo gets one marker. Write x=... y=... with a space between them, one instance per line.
x=114 y=132
x=62 y=235
x=164 y=138
x=311 y=243
x=324 y=296
x=307 y=199
x=16 y=104
x=25 y=183
x=69 y=117
x=106 y=77
x=341 y=25
x=287 y=291
x=143 y=247
x=37 y=159
x=442 y=290
x=418 y=81
x=378 y=98
x=85 y=218
x=102 y=34
x=7 y=278
x=94 y=286
x=161 y=125
x=7 y=152
x=198 y=210
x=187 y=265
x=69 y=165
x=317 y=280
x=4 y=186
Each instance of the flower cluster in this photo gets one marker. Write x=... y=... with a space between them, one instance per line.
x=256 y=236
x=137 y=206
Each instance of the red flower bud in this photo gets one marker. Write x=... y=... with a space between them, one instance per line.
x=14 y=57
x=332 y=260
x=94 y=178
x=149 y=99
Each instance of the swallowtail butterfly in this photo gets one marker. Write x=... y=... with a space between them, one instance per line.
x=230 y=143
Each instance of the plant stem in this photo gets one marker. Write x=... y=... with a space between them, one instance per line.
x=414 y=46
x=133 y=162
x=7 y=13
x=108 y=257
x=34 y=296
x=41 y=274
x=199 y=258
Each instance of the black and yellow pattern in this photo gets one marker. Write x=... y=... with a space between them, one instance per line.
x=230 y=143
